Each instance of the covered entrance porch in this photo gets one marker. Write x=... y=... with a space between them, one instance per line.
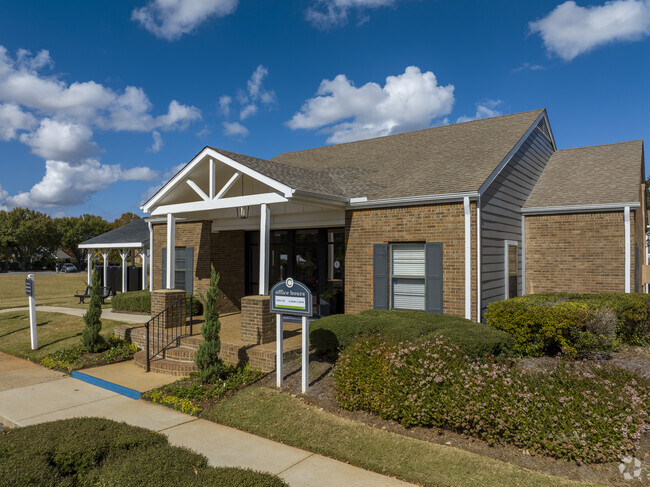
x=256 y=225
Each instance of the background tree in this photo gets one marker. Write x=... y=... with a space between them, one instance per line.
x=27 y=235
x=127 y=217
x=90 y=337
x=77 y=229
x=207 y=360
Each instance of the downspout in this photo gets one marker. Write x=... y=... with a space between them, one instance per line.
x=151 y=256
x=468 y=258
x=626 y=219
x=478 y=259
x=523 y=255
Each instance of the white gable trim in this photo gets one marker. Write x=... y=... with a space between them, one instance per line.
x=208 y=151
x=234 y=202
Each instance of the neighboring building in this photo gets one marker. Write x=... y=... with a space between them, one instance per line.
x=446 y=219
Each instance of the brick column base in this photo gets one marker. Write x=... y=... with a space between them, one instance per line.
x=162 y=299
x=257 y=322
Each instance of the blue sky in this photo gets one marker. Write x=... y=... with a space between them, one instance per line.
x=100 y=101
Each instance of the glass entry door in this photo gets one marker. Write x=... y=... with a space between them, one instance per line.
x=312 y=256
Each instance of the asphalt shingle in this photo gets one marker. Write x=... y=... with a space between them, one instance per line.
x=598 y=174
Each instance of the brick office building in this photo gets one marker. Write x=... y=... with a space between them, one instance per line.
x=446 y=219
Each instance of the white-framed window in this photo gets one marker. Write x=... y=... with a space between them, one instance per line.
x=511 y=268
x=407 y=276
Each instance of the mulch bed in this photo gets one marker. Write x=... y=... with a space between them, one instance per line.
x=322 y=395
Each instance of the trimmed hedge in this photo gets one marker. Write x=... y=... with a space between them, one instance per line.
x=334 y=333
x=140 y=302
x=583 y=325
x=573 y=411
x=94 y=451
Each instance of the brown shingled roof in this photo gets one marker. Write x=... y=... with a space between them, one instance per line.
x=441 y=160
x=598 y=174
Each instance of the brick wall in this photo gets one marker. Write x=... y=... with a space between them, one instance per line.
x=431 y=223
x=227 y=255
x=225 y=250
x=257 y=322
x=578 y=253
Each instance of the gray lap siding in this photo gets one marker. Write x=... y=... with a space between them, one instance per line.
x=501 y=213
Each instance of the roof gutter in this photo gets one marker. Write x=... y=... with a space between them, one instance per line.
x=413 y=200
x=549 y=210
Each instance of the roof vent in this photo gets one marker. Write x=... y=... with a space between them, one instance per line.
x=543 y=128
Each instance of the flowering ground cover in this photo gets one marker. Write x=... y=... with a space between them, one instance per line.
x=189 y=395
x=587 y=413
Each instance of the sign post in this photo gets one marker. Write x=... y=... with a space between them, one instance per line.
x=29 y=291
x=292 y=298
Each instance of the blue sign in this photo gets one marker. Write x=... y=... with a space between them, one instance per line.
x=29 y=287
x=291 y=298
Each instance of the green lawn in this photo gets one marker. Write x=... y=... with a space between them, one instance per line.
x=55 y=332
x=277 y=416
x=51 y=289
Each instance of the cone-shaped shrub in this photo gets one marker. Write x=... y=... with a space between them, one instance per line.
x=92 y=340
x=207 y=360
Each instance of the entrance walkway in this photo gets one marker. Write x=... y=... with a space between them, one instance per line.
x=35 y=395
x=107 y=313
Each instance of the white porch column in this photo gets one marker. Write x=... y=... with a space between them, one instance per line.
x=124 y=253
x=265 y=238
x=171 y=257
x=89 y=265
x=151 y=257
x=626 y=219
x=468 y=258
x=144 y=254
x=105 y=257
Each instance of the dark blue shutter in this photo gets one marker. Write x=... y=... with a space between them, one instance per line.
x=433 y=277
x=189 y=270
x=380 y=276
x=164 y=269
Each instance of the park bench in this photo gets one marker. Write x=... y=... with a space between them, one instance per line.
x=104 y=292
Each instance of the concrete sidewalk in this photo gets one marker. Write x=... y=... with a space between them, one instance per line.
x=107 y=313
x=31 y=394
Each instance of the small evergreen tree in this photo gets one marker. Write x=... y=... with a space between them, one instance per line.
x=207 y=360
x=92 y=340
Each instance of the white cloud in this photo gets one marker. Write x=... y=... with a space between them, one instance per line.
x=61 y=118
x=485 y=109
x=224 y=105
x=157 y=142
x=248 y=111
x=171 y=19
x=409 y=101
x=570 y=30
x=13 y=119
x=86 y=102
x=67 y=184
x=60 y=140
x=249 y=101
x=331 y=13
x=235 y=129
x=3 y=194
x=528 y=67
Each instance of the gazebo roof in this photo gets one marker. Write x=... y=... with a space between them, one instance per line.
x=131 y=235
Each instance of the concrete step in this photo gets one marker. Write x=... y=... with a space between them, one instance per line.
x=163 y=365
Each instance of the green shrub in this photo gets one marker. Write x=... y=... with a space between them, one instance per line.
x=574 y=411
x=210 y=367
x=333 y=333
x=140 y=302
x=90 y=337
x=94 y=451
x=584 y=325
x=632 y=311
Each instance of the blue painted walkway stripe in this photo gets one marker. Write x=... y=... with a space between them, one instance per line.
x=104 y=384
